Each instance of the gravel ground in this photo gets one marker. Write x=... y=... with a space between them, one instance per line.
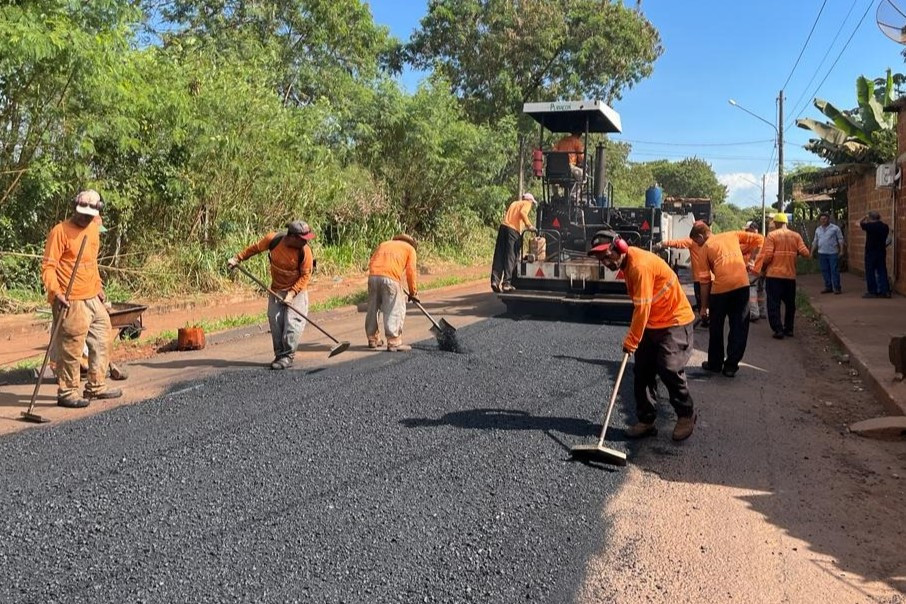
x=419 y=477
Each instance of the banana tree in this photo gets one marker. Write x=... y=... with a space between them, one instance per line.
x=865 y=135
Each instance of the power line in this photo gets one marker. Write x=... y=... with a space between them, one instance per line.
x=714 y=157
x=820 y=64
x=737 y=144
x=799 y=58
x=842 y=50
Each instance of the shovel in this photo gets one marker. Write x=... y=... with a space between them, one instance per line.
x=340 y=346
x=443 y=331
x=28 y=416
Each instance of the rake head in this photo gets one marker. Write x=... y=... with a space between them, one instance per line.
x=338 y=349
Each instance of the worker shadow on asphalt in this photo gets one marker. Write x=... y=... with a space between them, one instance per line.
x=188 y=363
x=11 y=403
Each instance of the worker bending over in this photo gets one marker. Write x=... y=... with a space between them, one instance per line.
x=85 y=318
x=291 y=264
x=697 y=264
x=385 y=291
x=509 y=242
x=660 y=334
x=725 y=298
x=778 y=260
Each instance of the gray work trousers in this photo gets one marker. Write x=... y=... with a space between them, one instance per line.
x=385 y=295
x=286 y=325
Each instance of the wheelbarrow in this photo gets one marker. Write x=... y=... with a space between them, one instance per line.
x=128 y=319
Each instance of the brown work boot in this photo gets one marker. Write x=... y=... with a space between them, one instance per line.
x=398 y=348
x=684 y=427
x=641 y=430
x=375 y=343
x=117 y=374
x=72 y=402
x=110 y=393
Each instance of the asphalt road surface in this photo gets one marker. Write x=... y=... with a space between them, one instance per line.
x=419 y=477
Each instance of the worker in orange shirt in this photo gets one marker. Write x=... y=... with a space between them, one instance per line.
x=778 y=259
x=389 y=262
x=573 y=145
x=725 y=298
x=660 y=334
x=697 y=264
x=754 y=271
x=85 y=318
x=509 y=242
x=291 y=264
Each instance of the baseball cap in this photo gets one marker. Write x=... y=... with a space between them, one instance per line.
x=301 y=229
x=599 y=249
x=529 y=197
x=88 y=203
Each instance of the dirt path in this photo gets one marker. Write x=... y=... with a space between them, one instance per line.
x=772 y=500
x=24 y=337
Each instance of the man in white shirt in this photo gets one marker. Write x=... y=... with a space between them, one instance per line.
x=828 y=243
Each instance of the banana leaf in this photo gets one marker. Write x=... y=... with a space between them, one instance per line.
x=842 y=121
x=827 y=132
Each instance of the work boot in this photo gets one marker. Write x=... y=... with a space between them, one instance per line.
x=684 y=427
x=110 y=393
x=778 y=335
x=376 y=344
x=707 y=367
x=72 y=402
x=398 y=348
x=282 y=363
x=508 y=288
x=641 y=430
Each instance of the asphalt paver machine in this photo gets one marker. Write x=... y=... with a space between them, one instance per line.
x=555 y=276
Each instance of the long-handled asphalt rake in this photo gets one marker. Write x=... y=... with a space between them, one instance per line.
x=599 y=452
x=28 y=416
x=340 y=346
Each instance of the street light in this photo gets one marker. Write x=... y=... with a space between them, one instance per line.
x=778 y=130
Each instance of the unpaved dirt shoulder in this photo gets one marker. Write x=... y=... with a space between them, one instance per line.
x=771 y=500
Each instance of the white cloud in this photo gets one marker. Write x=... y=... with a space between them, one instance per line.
x=744 y=188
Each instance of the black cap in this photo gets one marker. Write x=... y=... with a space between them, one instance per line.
x=299 y=228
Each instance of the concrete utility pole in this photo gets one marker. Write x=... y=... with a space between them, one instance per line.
x=779 y=151
x=764 y=220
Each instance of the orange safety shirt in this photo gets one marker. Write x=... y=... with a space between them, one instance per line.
x=517 y=215
x=656 y=294
x=291 y=267
x=60 y=252
x=748 y=248
x=780 y=251
x=574 y=145
x=724 y=256
x=392 y=259
x=698 y=264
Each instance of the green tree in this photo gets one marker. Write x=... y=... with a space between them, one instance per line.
x=690 y=177
x=498 y=54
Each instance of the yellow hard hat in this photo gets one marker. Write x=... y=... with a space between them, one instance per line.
x=780 y=218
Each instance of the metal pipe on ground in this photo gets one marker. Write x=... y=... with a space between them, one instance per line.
x=29 y=416
x=340 y=346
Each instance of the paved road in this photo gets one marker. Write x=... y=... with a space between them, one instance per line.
x=422 y=477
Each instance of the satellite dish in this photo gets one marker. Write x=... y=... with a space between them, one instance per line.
x=891 y=17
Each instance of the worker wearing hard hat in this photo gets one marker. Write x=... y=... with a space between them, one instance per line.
x=509 y=242
x=778 y=261
x=85 y=319
x=291 y=265
x=725 y=298
x=390 y=261
x=660 y=334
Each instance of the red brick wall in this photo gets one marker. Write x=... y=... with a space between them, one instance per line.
x=862 y=197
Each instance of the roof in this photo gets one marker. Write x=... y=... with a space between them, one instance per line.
x=572 y=116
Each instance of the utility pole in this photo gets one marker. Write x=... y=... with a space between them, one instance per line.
x=780 y=151
x=764 y=220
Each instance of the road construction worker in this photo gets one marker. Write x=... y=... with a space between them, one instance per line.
x=778 y=265
x=725 y=297
x=291 y=264
x=660 y=334
x=756 y=281
x=573 y=144
x=390 y=261
x=85 y=319
x=697 y=264
x=509 y=242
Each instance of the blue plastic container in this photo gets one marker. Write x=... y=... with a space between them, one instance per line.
x=654 y=196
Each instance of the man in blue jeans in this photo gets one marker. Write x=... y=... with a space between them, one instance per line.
x=828 y=243
x=876 y=233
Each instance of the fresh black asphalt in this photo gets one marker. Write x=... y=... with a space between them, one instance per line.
x=404 y=477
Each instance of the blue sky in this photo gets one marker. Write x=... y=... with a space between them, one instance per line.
x=721 y=49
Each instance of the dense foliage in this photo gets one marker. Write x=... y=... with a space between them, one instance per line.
x=205 y=123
